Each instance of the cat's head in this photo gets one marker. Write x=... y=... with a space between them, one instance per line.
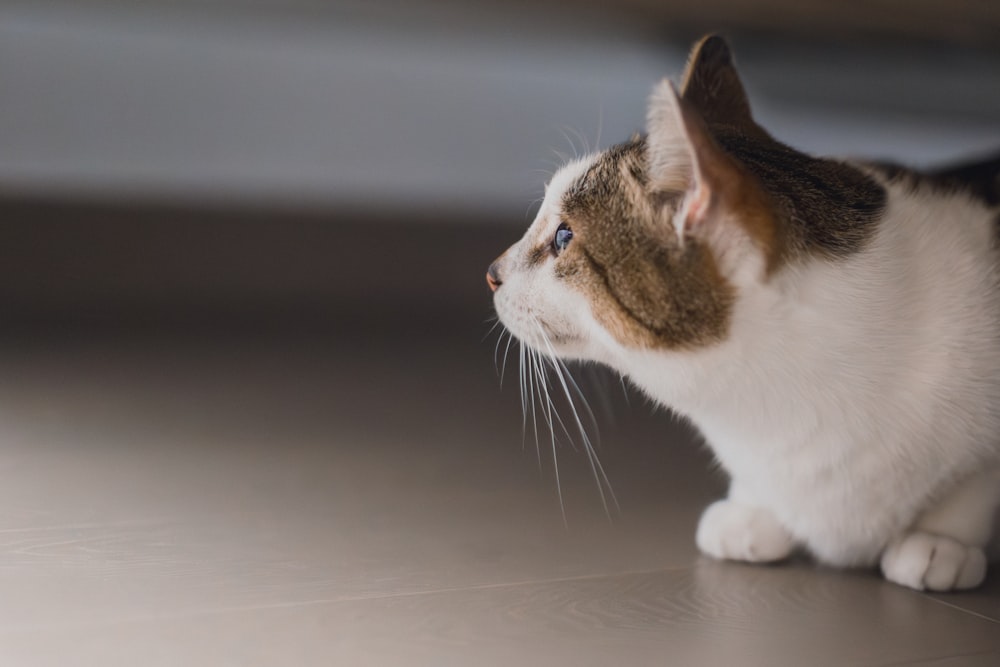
x=650 y=243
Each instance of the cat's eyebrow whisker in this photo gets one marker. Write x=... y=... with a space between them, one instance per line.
x=584 y=143
x=527 y=209
x=562 y=157
x=595 y=464
x=564 y=131
x=600 y=125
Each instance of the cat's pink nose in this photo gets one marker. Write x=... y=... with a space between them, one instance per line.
x=492 y=278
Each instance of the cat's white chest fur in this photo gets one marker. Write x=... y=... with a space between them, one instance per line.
x=852 y=396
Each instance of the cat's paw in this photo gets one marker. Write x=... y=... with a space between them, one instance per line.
x=933 y=562
x=731 y=531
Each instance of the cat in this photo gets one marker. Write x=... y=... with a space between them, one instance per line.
x=832 y=328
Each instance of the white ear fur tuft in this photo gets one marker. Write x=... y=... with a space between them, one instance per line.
x=671 y=160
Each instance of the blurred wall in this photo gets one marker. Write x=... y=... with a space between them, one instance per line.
x=436 y=105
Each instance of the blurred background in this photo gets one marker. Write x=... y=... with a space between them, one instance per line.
x=231 y=155
x=245 y=367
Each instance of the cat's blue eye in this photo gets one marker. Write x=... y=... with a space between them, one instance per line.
x=562 y=238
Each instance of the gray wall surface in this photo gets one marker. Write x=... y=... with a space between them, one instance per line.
x=431 y=109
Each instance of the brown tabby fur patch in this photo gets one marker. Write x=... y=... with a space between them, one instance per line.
x=644 y=288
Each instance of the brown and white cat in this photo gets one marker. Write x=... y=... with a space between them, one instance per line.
x=832 y=328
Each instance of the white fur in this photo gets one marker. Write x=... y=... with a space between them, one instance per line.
x=855 y=402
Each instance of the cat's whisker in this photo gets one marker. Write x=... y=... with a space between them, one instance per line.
x=595 y=464
x=531 y=401
x=621 y=379
x=524 y=395
x=496 y=323
x=503 y=365
x=496 y=353
x=557 y=419
x=535 y=396
x=582 y=397
x=544 y=401
x=550 y=405
x=548 y=408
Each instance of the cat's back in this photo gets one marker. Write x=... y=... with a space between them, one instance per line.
x=978 y=178
x=941 y=231
x=926 y=274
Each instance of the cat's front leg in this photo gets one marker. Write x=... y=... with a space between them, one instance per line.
x=732 y=530
x=922 y=560
x=943 y=550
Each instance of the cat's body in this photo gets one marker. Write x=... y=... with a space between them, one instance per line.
x=850 y=393
x=832 y=329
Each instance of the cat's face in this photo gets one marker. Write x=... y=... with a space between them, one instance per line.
x=602 y=266
x=645 y=245
x=533 y=297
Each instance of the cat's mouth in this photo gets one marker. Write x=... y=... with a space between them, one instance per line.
x=551 y=338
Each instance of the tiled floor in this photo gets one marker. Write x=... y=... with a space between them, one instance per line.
x=326 y=499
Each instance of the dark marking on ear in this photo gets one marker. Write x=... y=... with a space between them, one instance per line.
x=712 y=86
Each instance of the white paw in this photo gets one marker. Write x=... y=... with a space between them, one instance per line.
x=731 y=531
x=932 y=562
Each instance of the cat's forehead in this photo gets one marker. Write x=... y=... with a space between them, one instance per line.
x=613 y=189
x=564 y=180
x=609 y=177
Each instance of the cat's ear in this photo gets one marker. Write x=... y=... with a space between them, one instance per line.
x=722 y=203
x=713 y=87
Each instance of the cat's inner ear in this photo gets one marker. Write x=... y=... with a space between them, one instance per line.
x=713 y=87
x=684 y=158
x=722 y=202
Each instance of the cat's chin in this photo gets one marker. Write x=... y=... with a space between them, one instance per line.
x=563 y=347
x=553 y=345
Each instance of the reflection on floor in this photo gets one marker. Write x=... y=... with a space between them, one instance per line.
x=366 y=500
